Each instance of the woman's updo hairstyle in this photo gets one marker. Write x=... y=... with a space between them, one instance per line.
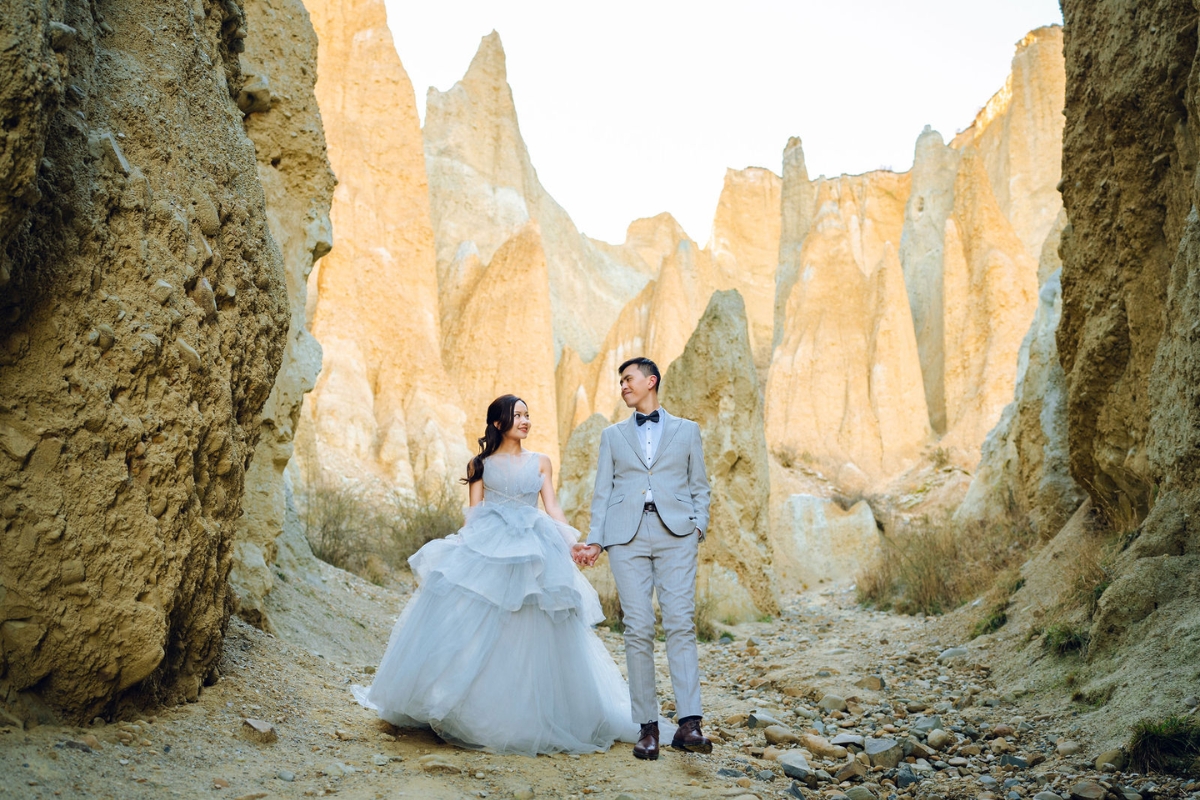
x=500 y=411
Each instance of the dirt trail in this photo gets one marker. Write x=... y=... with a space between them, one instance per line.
x=821 y=644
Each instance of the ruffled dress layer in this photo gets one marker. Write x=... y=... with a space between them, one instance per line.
x=495 y=650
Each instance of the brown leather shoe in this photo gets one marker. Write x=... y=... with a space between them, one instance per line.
x=647 y=744
x=689 y=737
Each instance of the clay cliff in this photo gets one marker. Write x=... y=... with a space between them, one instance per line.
x=384 y=411
x=483 y=189
x=845 y=384
x=1130 y=301
x=745 y=250
x=714 y=383
x=280 y=67
x=144 y=318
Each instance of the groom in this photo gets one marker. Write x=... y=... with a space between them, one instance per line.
x=649 y=511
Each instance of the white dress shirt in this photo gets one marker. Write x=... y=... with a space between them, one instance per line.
x=650 y=433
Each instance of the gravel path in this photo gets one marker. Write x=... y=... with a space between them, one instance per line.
x=828 y=701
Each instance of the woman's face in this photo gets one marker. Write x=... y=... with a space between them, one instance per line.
x=521 y=422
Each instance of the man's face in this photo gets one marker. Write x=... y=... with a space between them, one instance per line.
x=635 y=386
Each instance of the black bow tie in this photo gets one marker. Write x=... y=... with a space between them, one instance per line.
x=642 y=419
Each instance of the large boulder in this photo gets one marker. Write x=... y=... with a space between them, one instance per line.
x=141 y=328
x=715 y=384
x=289 y=143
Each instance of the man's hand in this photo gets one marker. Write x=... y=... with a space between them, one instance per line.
x=585 y=555
x=701 y=535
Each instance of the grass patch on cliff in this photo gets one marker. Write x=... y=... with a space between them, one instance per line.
x=368 y=535
x=1166 y=745
x=933 y=565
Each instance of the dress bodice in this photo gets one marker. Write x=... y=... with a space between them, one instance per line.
x=512 y=480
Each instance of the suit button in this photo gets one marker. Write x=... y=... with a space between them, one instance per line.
x=643 y=491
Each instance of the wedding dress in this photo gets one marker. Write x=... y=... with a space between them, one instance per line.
x=495 y=649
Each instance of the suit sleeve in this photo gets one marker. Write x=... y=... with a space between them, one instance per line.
x=698 y=480
x=602 y=490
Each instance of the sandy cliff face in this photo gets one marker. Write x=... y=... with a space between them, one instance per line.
x=1024 y=458
x=656 y=323
x=384 y=411
x=989 y=294
x=144 y=318
x=280 y=65
x=845 y=383
x=714 y=383
x=745 y=250
x=1131 y=298
x=1019 y=135
x=484 y=189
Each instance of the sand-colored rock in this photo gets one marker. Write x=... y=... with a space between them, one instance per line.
x=132 y=391
x=745 y=250
x=798 y=199
x=714 y=383
x=656 y=323
x=989 y=295
x=1019 y=134
x=577 y=478
x=483 y=189
x=384 y=412
x=930 y=204
x=1131 y=299
x=845 y=385
x=1024 y=458
x=502 y=341
x=821 y=541
x=298 y=185
x=31 y=86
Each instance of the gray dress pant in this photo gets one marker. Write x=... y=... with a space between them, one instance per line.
x=657 y=561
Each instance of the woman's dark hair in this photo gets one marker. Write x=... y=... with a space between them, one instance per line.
x=646 y=367
x=500 y=410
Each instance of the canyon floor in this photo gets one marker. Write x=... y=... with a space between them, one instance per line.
x=332 y=626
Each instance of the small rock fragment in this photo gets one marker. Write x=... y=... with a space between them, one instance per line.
x=1113 y=758
x=1088 y=790
x=761 y=719
x=778 y=734
x=105 y=336
x=886 y=753
x=1067 y=748
x=795 y=765
x=258 y=730
x=873 y=683
x=161 y=291
x=951 y=653
x=188 y=354
x=860 y=793
x=286 y=775
x=939 y=739
x=61 y=35
x=832 y=702
x=819 y=746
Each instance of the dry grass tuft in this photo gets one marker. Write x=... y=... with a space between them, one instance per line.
x=935 y=565
x=369 y=536
x=1167 y=745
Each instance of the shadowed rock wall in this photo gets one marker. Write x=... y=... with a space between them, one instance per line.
x=283 y=121
x=143 y=320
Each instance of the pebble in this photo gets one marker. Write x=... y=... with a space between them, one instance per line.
x=924 y=724
x=886 y=753
x=286 y=775
x=1111 y=758
x=832 y=702
x=1088 y=790
x=820 y=747
x=1047 y=796
x=844 y=739
x=259 y=730
x=380 y=760
x=951 y=653
x=872 y=683
x=777 y=734
x=1192 y=701
x=765 y=775
x=1068 y=748
x=860 y=793
x=761 y=719
x=939 y=739
x=795 y=765
x=527 y=794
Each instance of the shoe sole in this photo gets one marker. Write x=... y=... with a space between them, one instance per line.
x=646 y=757
x=698 y=748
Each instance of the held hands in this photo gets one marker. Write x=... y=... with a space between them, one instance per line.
x=585 y=555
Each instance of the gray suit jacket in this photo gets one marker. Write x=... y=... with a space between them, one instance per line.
x=676 y=476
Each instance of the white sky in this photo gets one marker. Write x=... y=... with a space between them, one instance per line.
x=633 y=108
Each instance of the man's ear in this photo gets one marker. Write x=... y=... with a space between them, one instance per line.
x=654 y=385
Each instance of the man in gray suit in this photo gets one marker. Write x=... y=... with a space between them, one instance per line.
x=649 y=512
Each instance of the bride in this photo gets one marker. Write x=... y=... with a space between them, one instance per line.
x=495 y=649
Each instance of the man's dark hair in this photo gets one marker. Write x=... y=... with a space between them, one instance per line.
x=646 y=367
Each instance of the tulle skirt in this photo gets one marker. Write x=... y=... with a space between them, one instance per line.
x=495 y=650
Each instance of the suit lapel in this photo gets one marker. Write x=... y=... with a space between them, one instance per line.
x=629 y=429
x=671 y=426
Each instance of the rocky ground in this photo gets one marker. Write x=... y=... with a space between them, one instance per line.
x=829 y=700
